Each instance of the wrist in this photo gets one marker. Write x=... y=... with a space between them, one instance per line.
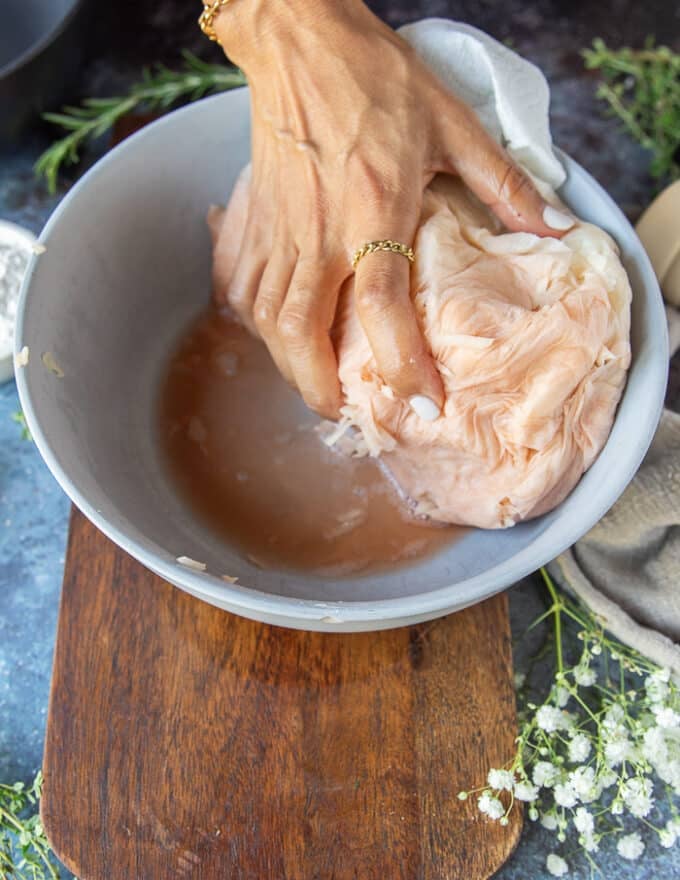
x=253 y=33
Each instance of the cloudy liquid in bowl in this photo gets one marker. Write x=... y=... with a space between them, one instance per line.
x=244 y=453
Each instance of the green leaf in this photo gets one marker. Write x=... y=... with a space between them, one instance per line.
x=20 y=419
x=24 y=850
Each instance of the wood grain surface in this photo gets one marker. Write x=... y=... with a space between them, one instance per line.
x=185 y=742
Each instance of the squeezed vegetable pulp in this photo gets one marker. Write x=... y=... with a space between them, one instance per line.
x=245 y=454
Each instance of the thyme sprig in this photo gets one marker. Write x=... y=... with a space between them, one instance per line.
x=642 y=89
x=24 y=850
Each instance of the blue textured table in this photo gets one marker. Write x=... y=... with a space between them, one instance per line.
x=33 y=510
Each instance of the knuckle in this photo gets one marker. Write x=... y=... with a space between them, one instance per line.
x=265 y=317
x=376 y=296
x=294 y=324
x=238 y=300
x=242 y=312
x=512 y=183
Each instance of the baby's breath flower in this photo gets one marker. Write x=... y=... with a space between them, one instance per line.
x=669 y=835
x=561 y=696
x=585 y=676
x=550 y=718
x=607 y=777
x=622 y=737
x=585 y=784
x=583 y=821
x=525 y=791
x=589 y=842
x=666 y=717
x=579 y=748
x=656 y=685
x=501 y=780
x=490 y=805
x=545 y=774
x=617 y=750
x=565 y=795
x=673 y=825
x=556 y=865
x=637 y=796
x=654 y=747
x=666 y=838
x=630 y=846
x=613 y=717
x=672 y=776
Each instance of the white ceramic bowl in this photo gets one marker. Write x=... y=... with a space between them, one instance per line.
x=128 y=265
x=23 y=239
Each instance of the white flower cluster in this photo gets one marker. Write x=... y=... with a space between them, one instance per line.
x=590 y=756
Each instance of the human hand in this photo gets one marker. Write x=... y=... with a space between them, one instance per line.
x=348 y=128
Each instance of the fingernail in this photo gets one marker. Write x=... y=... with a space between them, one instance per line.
x=557 y=219
x=424 y=408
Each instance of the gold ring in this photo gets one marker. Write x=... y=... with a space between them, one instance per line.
x=396 y=247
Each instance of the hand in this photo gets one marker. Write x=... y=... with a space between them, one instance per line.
x=348 y=129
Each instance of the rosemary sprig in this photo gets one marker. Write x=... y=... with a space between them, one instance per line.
x=642 y=88
x=24 y=849
x=159 y=89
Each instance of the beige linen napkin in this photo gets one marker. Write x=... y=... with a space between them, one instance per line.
x=627 y=568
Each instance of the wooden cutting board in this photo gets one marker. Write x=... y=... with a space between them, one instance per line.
x=185 y=742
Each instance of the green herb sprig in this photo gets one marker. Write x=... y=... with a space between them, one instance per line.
x=642 y=88
x=20 y=419
x=24 y=849
x=159 y=89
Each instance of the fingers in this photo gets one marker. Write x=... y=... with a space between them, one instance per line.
x=382 y=292
x=494 y=178
x=227 y=228
x=383 y=299
x=303 y=327
x=269 y=302
x=245 y=280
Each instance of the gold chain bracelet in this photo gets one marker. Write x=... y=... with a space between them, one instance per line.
x=206 y=21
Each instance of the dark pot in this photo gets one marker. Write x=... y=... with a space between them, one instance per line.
x=42 y=44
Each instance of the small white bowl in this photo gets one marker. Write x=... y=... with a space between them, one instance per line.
x=128 y=265
x=14 y=236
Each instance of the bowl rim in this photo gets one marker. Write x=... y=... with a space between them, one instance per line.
x=333 y=615
x=13 y=232
x=42 y=42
